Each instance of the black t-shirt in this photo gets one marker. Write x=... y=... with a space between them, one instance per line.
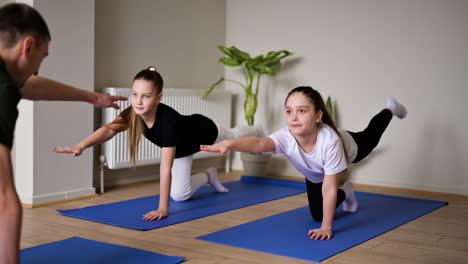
x=9 y=99
x=186 y=133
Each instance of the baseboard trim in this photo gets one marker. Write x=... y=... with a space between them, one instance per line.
x=50 y=198
x=58 y=202
x=124 y=182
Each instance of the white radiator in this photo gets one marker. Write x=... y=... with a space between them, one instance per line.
x=216 y=106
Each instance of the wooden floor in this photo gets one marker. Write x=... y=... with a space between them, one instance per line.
x=438 y=237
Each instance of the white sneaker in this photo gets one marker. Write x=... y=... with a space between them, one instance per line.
x=397 y=109
x=350 y=203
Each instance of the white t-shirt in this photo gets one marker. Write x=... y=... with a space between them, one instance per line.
x=326 y=158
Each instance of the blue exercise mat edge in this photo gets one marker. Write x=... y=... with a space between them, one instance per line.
x=38 y=251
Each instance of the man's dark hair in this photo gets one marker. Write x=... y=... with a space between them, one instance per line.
x=18 y=20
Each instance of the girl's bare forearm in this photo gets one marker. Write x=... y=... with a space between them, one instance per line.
x=99 y=136
x=250 y=144
x=329 y=192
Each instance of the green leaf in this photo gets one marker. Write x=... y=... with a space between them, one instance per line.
x=258 y=59
x=229 y=62
x=329 y=106
x=263 y=69
x=272 y=54
x=275 y=58
x=240 y=55
x=226 y=51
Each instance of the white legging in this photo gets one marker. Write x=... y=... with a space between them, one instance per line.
x=184 y=184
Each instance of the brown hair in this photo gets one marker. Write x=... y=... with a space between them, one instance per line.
x=18 y=20
x=316 y=99
x=128 y=119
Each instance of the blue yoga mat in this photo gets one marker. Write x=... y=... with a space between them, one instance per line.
x=248 y=191
x=285 y=234
x=78 y=250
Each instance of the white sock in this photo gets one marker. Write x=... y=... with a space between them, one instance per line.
x=214 y=182
x=397 y=109
x=350 y=203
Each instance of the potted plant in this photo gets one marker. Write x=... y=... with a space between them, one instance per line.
x=253 y=69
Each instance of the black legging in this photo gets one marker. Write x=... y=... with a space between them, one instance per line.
x=366 y=141
x=314 y=193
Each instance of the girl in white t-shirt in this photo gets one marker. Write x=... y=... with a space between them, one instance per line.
x=314 y=145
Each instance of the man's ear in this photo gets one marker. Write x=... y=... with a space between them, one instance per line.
x=27 y=46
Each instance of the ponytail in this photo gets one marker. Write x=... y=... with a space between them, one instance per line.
x=135 y=130
x=128 y=119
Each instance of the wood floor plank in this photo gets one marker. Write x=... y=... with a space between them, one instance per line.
x=422 y=252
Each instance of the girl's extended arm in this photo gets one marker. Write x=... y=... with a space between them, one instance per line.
x=246 y=144
x=329 y=192
x=99 y=136
x=165 y=177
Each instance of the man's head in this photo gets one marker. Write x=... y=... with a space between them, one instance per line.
x=24 y=37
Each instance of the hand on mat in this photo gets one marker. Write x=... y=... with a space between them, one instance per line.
x=320 y=234
x=221 y=147
x=74 y=150
x=155 y=215
x=105 y=100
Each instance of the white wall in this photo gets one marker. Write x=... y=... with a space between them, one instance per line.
x=179 y=37
x=4 y=2
x=41 y=175
x=360 y=52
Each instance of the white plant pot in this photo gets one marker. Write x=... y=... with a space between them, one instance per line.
x=255 y=164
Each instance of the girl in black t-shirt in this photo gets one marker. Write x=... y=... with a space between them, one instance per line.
x=179 y=137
